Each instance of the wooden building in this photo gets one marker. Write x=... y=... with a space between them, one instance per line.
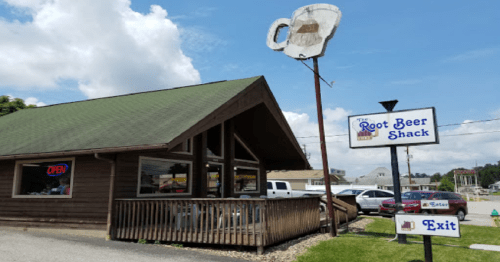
x=170 y=155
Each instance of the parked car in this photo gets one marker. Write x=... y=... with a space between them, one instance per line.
x=412 y=204
x=276 y=188
x=368 y=200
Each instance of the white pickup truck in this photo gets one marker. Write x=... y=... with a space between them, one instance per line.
x=276 y=188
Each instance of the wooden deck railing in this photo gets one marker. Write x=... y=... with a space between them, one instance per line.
x=248 y=222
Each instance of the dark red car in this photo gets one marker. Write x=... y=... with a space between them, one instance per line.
x=411 y=202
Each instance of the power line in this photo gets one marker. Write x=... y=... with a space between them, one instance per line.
x=457 y=124
x=462 y=134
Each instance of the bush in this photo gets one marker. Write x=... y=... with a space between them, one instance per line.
x=446 y=185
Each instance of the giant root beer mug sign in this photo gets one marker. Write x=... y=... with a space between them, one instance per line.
x=309 y=30
x=408 y=127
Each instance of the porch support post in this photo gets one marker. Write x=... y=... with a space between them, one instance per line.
x=228 y=159
x=200 y=184
x=111 y=199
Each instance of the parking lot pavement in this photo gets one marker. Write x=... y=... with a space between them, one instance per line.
x=22 y=246
x=483 y=207
x=477 y=220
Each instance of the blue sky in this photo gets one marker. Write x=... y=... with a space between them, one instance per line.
x=441 y=53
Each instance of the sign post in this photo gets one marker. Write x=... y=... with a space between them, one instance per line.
x=310 y=29
x=389 y=105
x=427 y=226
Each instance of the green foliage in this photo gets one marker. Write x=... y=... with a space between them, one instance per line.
x=8 y=106
x=446 y=185
x=178 y=245
x=157 y=242
x=142 y=241
x=436 y=177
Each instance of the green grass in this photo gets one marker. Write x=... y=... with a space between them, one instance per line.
x=373 y=245
x=496 y=194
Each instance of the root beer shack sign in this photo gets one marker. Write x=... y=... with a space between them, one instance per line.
x=408 y=127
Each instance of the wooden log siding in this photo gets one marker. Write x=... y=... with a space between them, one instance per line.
x=245 y=222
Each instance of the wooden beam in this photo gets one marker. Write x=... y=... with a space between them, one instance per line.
x=228 y=159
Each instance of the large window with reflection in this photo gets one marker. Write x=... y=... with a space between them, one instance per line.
x=51 y=178
x=214 y=179
x=215 y=141
x=246 y=180
x=164 y=177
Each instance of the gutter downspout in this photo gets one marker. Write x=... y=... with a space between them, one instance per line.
x=111 y=201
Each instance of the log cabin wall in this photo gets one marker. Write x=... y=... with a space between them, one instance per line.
x=87 y=208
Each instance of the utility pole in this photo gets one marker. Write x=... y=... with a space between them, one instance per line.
x=408 y=156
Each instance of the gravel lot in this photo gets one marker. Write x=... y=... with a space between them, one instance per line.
x=284 y=252
x=55 y=245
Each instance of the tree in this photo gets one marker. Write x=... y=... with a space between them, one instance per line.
x=487 y=179
x=446 y=185
x=436 y=177
x=8 y=106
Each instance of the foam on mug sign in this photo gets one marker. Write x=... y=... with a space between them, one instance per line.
x=309 y=30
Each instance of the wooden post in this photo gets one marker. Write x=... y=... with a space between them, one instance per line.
x=200 y=184
x=326 y=174
x=228 y=182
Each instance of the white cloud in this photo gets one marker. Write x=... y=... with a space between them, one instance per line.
x=105 y=46
x=455 y=150
x=33 y=101
x=473 y=54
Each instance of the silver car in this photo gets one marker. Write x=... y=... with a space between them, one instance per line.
x=368 y=200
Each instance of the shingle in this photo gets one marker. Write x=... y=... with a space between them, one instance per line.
x=147 y=118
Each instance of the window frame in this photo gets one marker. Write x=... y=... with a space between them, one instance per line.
x=236 y=137
x=257 y=186
x=16 y=187
x=222 y=175
x=221 y=144
x=190 y=177
x=190 y=153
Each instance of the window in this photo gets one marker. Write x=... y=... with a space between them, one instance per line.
x=164 y=177
x=280 y=186
x=44 y=178
x=242 y=152
x=246 y=179
x=215 y=145
x=369 y=194
x=269 y=185
x=185 y=147
x=214 y=179
x=383 y=194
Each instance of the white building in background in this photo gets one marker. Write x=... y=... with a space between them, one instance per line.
x=382 y=177
x=494 y=187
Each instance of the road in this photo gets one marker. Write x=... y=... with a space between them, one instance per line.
x=19 y=246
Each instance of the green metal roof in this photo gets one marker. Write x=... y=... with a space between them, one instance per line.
x=148 y=118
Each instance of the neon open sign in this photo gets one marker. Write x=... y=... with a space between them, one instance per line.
x=57 y=170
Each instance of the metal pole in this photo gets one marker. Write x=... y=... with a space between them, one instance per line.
x=428 y=248
x=389 y=105
x=397 y=188
x=333 y=230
